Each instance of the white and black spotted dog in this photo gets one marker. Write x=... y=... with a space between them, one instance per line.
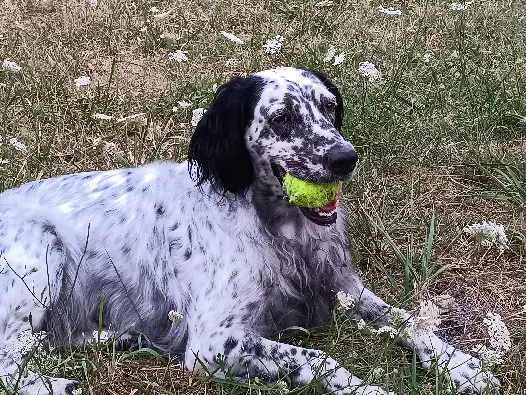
x=214 y=239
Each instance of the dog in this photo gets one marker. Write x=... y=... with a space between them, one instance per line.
x=214 y=239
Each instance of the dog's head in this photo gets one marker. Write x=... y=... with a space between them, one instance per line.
x=279 y=121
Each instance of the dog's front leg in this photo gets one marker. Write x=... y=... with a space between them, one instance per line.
x=243 y=354
x=463 y=370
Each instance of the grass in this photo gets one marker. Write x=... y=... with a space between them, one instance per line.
x=442 y=145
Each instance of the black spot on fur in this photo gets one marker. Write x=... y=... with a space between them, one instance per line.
x=230 y=344
x=187 y=254
x=472 y=365
x=159 y=210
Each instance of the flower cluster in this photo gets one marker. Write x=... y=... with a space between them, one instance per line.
x=499 y=340
x=331 y=54
x=389 y=11
x=231 y=37
x=175 y=316
x=82 y=81
x=427 y=58
x=178 y=56
x=10 y=66
x=273 y=45
x=139 y=119
x=345 y=301
x=18 y=145
x=369 y=71
x=427 y=320
x=392 y=332
x=104 y=335
x=460 y=6
x=488 y=233
x=324 y=3
x=181 y=104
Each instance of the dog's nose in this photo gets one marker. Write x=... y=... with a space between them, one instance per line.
x=342 y=160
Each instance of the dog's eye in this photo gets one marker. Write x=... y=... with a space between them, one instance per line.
x=281 y=118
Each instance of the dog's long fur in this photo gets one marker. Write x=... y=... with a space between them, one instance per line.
x=214 y=239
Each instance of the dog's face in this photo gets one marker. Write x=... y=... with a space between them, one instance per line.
x=289 y=122
x=295 y=130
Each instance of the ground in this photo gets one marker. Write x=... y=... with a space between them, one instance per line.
x=448 y=112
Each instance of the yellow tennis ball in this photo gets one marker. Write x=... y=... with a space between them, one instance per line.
x=307 y=194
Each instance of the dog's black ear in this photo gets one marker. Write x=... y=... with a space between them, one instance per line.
x=217 y=151
x=332 y=88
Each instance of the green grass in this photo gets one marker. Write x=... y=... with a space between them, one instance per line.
x=422 y=133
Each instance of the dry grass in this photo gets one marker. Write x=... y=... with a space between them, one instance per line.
x=419 y=133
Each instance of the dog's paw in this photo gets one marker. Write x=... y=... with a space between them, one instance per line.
x=466 y=375
x=50 y=386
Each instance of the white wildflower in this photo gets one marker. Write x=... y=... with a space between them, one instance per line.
x=345 y=301
x=178 y=56
x=103 y=117
x=175 y=316
x=369 y=71
x=232 y=37
x=92 y=3
x=499 y=340
x=330 y=54
x=488 y=233
x=361 y=325
x=231 y=62
x=104 y=335
x=282 y=387
x=184 y=104
x=427 y=57
x=392 y=332
x=499 y=336
x=78 y=391
x=82 y=81
x=143 y=29
x=399 y=316
x=4 y=161
x=488 y=355
x=162 y=15
x=197 y=114
x=214 y=88
x=273 y=45
x=10 y=66
x=389 y=11
x=426 y=321
x=324 y=3
x=377 y=372
x=338 y=59
x=18 y=145
x=460 y=6
x=181 y=104
x=430 y=314
x=135 y=119
x=155 y=10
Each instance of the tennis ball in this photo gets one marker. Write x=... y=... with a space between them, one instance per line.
x=307 y=194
